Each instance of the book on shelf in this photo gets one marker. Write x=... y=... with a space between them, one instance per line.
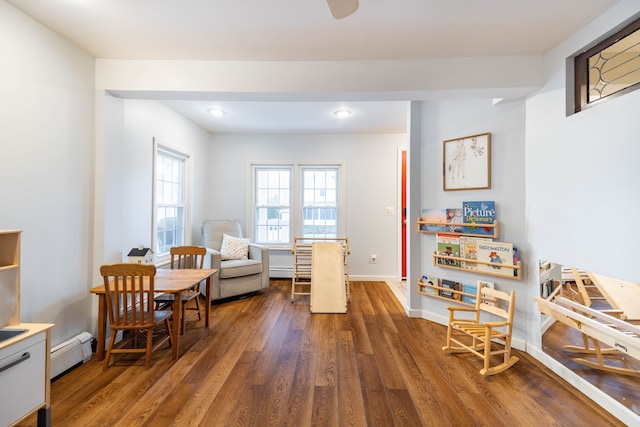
x=434 y=217
x=485 y=284
x=496 y=254
x=483 y=212
x=430 y=280
x=454 y=215
x=469 y=250
x=450 y=286
x=547 y=287
x=469 y=289
x=448 y=245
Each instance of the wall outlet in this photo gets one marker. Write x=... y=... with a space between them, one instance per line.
x=373 y=259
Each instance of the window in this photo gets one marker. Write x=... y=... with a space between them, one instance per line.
x=300 y=200
x=170 y=201
x=319 y=202
x=272 y=197
x=610 y=68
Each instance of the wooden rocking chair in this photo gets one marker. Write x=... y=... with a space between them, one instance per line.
x=467 y=334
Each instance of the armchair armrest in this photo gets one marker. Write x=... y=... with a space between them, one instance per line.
x=212 y=259
x=261 y=253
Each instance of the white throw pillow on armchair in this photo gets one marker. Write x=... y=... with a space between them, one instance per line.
x=234 y=247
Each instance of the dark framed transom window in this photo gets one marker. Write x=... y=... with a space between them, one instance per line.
x=610 y=68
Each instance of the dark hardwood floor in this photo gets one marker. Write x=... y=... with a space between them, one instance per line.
x=268 y=361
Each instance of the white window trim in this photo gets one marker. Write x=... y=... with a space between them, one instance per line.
x=188 y=180
x=296 y=195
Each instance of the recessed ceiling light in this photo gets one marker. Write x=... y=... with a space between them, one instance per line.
x=216 y=112
x=342 y=114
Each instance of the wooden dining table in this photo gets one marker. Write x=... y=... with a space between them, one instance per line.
x=170 y=281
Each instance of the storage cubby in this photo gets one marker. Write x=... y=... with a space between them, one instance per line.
x=9 y=278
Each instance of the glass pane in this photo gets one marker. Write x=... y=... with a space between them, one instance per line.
x=614 y=68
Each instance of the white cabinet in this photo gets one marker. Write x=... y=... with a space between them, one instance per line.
x=24 y=358
x=22 y=378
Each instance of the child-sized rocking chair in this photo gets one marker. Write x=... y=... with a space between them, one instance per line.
x=473 y=334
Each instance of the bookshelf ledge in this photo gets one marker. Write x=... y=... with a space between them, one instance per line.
x=446 y=260
x=494 y=228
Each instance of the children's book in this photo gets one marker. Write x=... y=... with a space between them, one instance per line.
x=434 y=216
x=496 y=254
x=448 y=246
x=454 y=216
x=450 y=284
x=478 y=213
x=472 y=290
x=469 y=250
x=430 y=280
x=485 y=284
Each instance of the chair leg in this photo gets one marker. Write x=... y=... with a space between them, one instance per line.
x=198 y=307
x=487 y=352
x=112 y=341
x=149 y=347
x=182 y=317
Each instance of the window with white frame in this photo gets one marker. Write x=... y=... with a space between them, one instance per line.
x=169 y=199
x=319 y=201
x=300 y=200
x=272 y=201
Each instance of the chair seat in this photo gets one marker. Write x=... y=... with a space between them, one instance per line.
x=158 y=316
x=239 y=268
x=184 y=296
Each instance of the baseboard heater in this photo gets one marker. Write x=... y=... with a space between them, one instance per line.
x=70 y=354
x=280 y=272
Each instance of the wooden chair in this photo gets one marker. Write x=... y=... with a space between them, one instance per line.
x=129 y=291
x=470 y=333
x=185 y=257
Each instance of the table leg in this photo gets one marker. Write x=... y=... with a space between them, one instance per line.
x=207 y=306
x=102 y=326
x=177 y=311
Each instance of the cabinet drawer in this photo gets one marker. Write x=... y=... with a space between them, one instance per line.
x=22 y=381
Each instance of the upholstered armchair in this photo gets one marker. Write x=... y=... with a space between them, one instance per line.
x=243 y=267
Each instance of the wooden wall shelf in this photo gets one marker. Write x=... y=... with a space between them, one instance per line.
x=495 y=228
x=423 y=289
x=517 y=267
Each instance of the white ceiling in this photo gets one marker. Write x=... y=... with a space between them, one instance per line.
x=296 y=30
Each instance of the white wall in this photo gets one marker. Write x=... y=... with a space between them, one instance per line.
x=131 y=126
x=370 y=173
x=582 y=184
x=449 y=119
x=46 y=169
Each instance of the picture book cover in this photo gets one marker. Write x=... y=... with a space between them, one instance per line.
x=434 y=216
x=478 y=213
x=448 y=245
x=485 y=284
x=452 y=285
x=454 y=216
x=430 y=280
x=496 y=254
x=472 y=290
x=469 y=250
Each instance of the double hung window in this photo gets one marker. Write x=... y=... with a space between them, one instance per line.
x=170 y=201
x=295 y=200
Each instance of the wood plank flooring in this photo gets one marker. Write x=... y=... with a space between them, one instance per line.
x=266 y=361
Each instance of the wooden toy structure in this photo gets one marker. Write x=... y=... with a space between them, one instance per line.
x=320 y=270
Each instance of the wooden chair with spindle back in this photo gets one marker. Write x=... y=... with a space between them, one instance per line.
x=185 y=257
x=473 y=334
x=129 y=292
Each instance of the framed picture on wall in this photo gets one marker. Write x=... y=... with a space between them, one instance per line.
x=467 y=163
